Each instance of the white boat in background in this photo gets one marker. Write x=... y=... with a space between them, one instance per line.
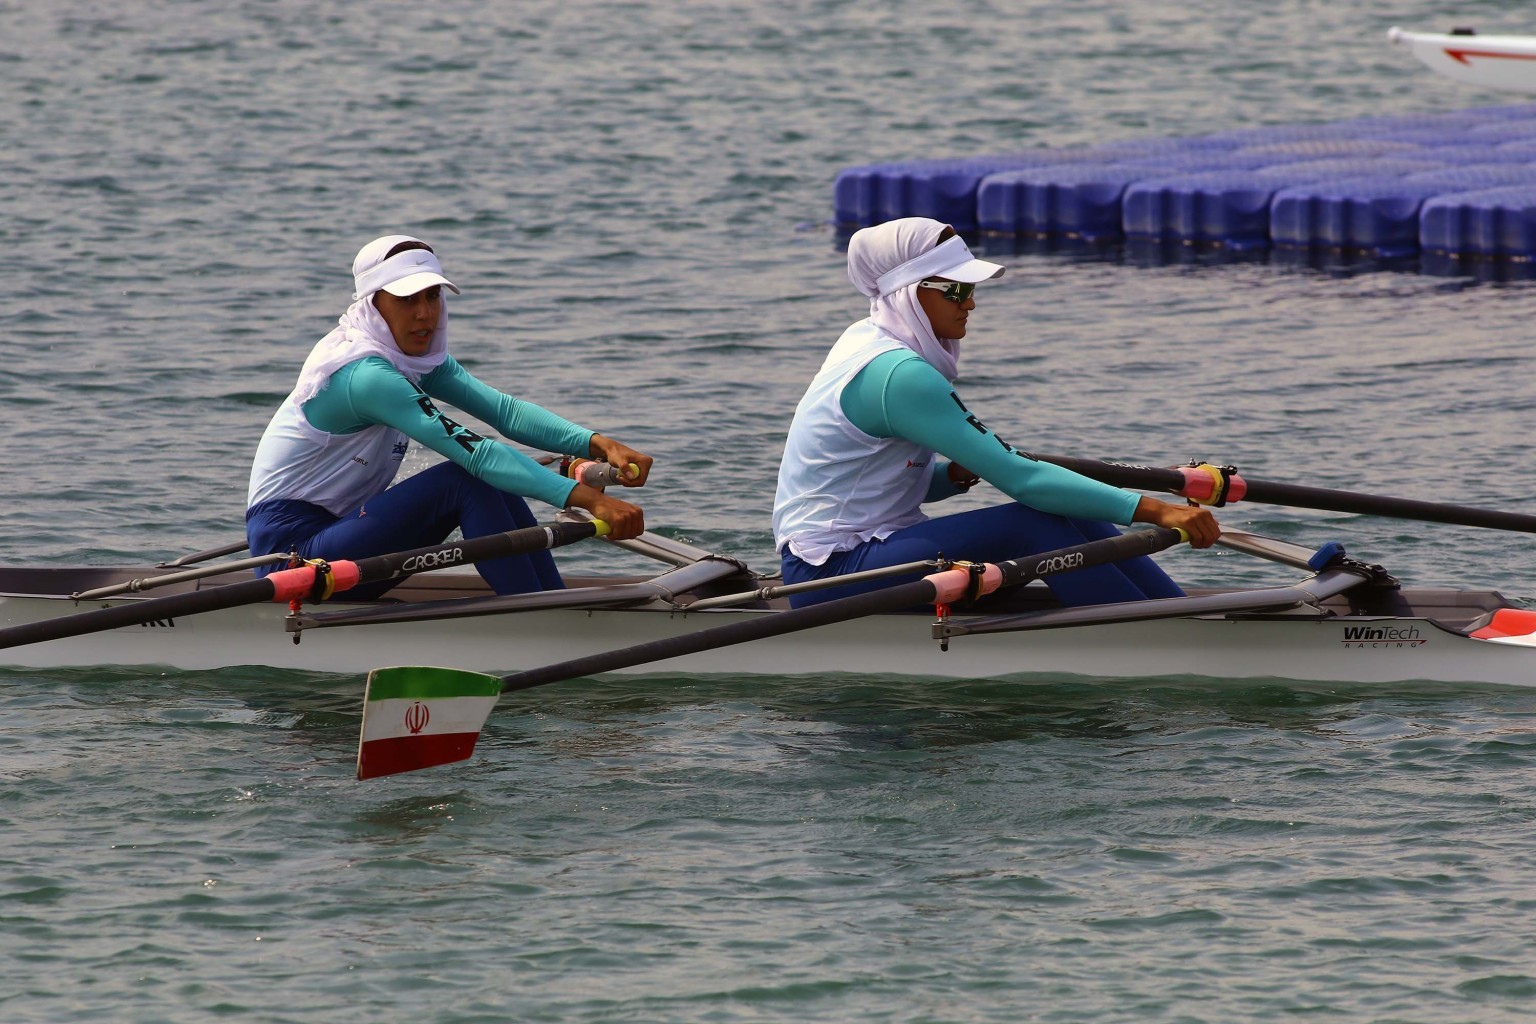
x=1506 y=63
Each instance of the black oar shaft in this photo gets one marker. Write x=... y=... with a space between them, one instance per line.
x=1300 y=496
x=1324 y=499
x=1147 y=478
x=291 y=584
x=1018 y=571
x=464 y=552
x=887 y=599
x=902 y=595
x=137 y=613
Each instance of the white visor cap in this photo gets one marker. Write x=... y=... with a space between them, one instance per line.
x=403 y=274
x=951 y=260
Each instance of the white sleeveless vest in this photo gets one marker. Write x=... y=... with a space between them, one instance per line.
x=338 y=472
x=838 y=486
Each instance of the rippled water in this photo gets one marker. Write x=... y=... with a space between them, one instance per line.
x=635 y=200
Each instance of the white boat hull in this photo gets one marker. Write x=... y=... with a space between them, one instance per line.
x=1335 y=648
x=1506 y=63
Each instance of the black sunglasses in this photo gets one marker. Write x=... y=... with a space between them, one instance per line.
x=954 y=291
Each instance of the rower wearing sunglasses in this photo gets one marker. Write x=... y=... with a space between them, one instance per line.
x=321 y=481
x=882 y=430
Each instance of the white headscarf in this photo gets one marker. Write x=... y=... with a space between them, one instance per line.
x=885 y=262
x=361 y=331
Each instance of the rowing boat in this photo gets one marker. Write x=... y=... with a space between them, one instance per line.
x=1492 y=62
x=1349 y=624
x=1344 y=622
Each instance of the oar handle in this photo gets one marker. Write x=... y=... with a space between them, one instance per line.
x=598 y=474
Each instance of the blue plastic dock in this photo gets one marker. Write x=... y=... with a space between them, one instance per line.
x=1367 y=185
x=1378 y=215
x=1231 y=208
x=1495 y=222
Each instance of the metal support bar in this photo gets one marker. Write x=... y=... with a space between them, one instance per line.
x=769 y=593
x=135 y=586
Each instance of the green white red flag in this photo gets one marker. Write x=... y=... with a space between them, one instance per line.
x=416 y=717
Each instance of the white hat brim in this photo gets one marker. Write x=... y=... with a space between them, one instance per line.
x=972 y=271
x=413 y=283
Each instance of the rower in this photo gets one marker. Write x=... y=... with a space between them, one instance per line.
x=321 y=479
x=861 y=455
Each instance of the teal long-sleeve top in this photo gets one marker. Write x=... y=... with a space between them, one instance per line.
x=371 y=391
x=898 y=394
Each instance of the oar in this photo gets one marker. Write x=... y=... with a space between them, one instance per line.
x=416 y=717
x=315 y=581
x=1216 y=485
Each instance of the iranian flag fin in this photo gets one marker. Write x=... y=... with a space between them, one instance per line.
x=416 y=717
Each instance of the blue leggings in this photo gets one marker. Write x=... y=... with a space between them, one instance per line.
x=417 y=512
x=992 y=534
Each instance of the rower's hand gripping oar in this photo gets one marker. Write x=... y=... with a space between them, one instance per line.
x=1206 y=484
x=316 y=580
x=417 y=717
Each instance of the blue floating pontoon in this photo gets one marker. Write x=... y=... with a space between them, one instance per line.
x=1074 y=202
x=1375 y=214
x=1494 y=132
x=1497 y=222
x=1157 y=146
x=1083 y=200
x=1456 y=182
x=1329 y=149
x=1456 y=156
x=942 y=189
x=1231 y=208
x=1265 y=135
